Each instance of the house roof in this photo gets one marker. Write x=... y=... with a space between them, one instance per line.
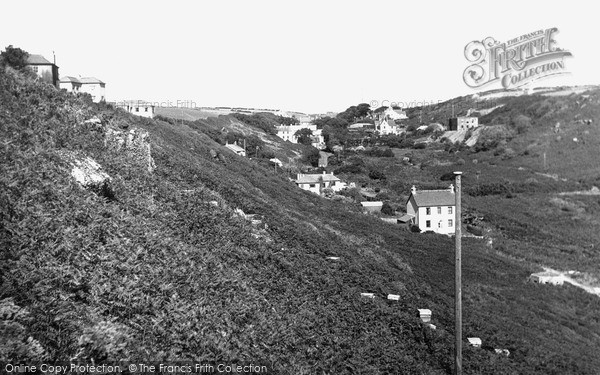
x=405 y=218
x=69 y=79
x=428 y=198
x=314 y=178
x=37 y=60
x=90 y=80
x=546 y=274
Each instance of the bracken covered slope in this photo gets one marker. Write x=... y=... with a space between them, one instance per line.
x=161 y=267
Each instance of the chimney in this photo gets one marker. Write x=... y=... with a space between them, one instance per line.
x=324 y=173
x=413 y=190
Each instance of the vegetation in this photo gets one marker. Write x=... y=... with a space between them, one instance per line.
x=162 y=273
x=16 y=58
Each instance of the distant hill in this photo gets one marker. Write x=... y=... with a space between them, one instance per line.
x=164 y=264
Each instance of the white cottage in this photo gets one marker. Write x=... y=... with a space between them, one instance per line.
x=316 y=182
x=432 y=210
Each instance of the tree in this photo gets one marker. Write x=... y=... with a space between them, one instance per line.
x=14 y=57
x=311 y=156
x=304 y=136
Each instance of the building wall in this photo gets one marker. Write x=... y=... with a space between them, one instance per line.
x=48 y=73
x=96 y=90
x=438 y=221
x=314 y=188
x=70 y=86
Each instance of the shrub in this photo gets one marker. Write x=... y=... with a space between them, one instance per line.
x=14 y=57
x=387 y=209
x=376 y=174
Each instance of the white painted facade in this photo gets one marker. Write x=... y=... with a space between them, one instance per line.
x=288 y=133
x=137 y=107
x=436 y=211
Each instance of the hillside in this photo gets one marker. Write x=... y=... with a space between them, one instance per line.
x=160 y=265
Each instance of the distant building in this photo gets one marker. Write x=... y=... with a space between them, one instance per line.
x=388 y=126
x=317 y=182
x=137 y=107
x=474 y=342
x=70 y=84
x=547 y=278
x=432 y=210
x=46 y=70
x=462 y=123
x=94 y=87
x=395 y=113
x=90 y=85
x=235 y=148
x=288 y=133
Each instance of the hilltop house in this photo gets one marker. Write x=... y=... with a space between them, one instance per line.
x=388 y=126
x=462 y=123
x=90 y=85
x=432 y=210
x=137 y=107
x=317 y=182
x=288 y=133
x=235 y=148
x=46 y=70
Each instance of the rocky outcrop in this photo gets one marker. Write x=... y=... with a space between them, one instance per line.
x=134 y=142
x=89 y=174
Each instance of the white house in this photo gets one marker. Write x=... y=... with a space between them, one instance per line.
x=463 y=123
x=316 y=182
x=46 y=70
x=288 y=133
x=70 y=84
x=547 y=278
x=235 y=148
x=395 y=114
x=432 y=210
x=94 y=87
x=388 y=126
x=90 y=85
x=137 y=107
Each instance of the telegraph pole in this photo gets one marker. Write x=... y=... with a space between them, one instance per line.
x=457 y=279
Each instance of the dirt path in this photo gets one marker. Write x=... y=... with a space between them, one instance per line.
x=570 y=280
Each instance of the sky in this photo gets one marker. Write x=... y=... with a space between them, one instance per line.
x=307 y=56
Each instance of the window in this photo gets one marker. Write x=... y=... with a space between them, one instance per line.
x=439 y=210
x=137 y=109
x=428 y=211
x=312 y=185
x=450 y=210
x=428 y=223
x=439 y=224
x=450 y=222
x=146 y=109
x=35 y=68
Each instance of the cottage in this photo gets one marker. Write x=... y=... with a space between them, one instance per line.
x=70 y=84
x=288 y=133
x=94 y=87
x=235 y=148
x=137 y=107
x=90 y=85
x=463 y=123
x=547 y=278
x=46 y=70
x=388 y=126
x=317 y=182
x=432 y=210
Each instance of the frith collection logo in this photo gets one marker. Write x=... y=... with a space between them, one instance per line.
x=516 y=62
